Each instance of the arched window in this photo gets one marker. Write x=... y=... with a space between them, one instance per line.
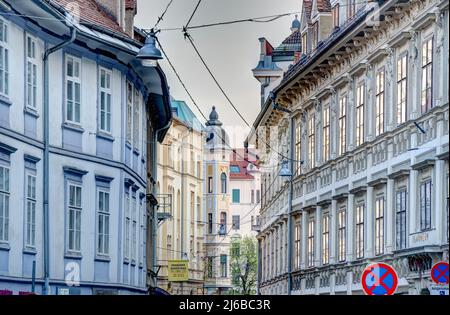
x=223 y=180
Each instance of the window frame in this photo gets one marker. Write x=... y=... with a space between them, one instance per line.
x=342 y=122
x=30 y=211
x=31 y=75
x=426 y=203
x=402 y=88
x=311 y=241
x=105 y=113
x=380 y=101
x=103 y=237
x=360 y=230
x=75 y=80
x=5 y=194
x=342 y=234
x=77 y=210
x=380 y=204
x=326 y=239
x=312 y=140
x=401 y=213
x=427 y=70
x=360 y=109
x=4 y=62
x=326 y=135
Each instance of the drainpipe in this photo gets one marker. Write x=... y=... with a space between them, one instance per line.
x=48 y=52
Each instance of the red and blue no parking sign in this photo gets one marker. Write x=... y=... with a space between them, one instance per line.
x=439 y=273
x=379 y=279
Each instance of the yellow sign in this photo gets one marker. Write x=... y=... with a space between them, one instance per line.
x=178 y=270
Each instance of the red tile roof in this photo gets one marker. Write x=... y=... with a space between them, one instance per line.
x=90 y=13
x=240 y=159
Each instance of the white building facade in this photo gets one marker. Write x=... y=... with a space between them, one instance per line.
x=97 y=155
x=370 y=123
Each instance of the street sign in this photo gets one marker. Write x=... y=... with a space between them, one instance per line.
x=178 y=270
x=379 y=279
x=438 y=289
x=439 y=273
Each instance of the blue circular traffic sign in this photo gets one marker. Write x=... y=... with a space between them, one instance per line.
x=439 y=273
x=379 y=279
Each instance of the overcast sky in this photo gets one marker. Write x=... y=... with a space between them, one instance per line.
x=231 y=51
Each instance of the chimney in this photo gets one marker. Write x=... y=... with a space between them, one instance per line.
x=121 y=11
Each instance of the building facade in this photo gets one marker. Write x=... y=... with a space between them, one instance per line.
x=368 y=130
x=76 y=120
x=245 y=189
x=180 y=194
x=216 y=167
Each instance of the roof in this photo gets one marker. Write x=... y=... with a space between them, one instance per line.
x=90 y=13
x=183 y=113
x=241 y=159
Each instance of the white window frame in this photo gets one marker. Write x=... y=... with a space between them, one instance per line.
x=380 y=101
x=75 y=80
x=311 y=242
x=359 y=119
x=105 y=100
x=342 y=143
x=127 y=229
x=379 y=225
x=342 y=234
x=326 y=133
x=129 y=113
x=426 y=72
x=401 y=213
x=77 y=210
x=359 y=230
x=425 y=204
x=30 y=211
x=31 y=76
x=326 y=239
x=312 y=140
x=402 y=88
x=133 y=230
x=103 y=221
x=4 y=57
x=136 y=117
x=4 y=202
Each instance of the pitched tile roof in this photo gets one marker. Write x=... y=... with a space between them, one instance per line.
x=237 y=160
x=293 y=39
x=90 y=13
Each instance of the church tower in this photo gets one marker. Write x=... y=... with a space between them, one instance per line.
x=217 y=207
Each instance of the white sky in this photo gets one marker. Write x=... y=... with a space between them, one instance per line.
x=231 y=51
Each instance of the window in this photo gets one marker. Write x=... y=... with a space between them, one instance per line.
x=258 y=196
x=425 y=205
x=297 y=245
x=311 y=243
x=252 y=196
x=360 y=114
x=343 y=125
x=133 y=231
x=73 y=89
x=127 y=227
x=4 y=203
x=359 y=231
x=4 y=58
x=351 y=8
x=402 y=83
x=210 y=223
x=223 y=266
x=105 y=100
x=379 y=103
x=326 y=134
x=236 y=222
x=400 y=220
x=325 y=239
x=311 y=141
x=103 y=223
x=235 y=169
x=192 y=163
x=129 y=111
x=315 y=36
x=236 y=197
x=210 y=185
x=298 y=147
x=335 y=15
x=223 y=183
x=427 y=74
x=223 y=223
x=136 y=117
x=31 y=72
x=210 y=267
x=341 y=234
x=30 y=237
x=379 y=226
x=305 y=42
x=74 y=218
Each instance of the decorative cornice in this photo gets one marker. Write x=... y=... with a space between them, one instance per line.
x=7 y=149
x=74 y=171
